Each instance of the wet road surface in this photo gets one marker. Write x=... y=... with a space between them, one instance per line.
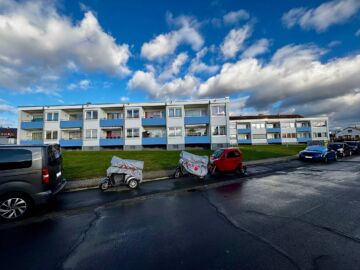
x=298 y=218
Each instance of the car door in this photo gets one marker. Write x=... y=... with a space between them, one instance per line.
x=231 y=162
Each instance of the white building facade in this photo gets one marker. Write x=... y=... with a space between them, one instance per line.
x=134 y=126
x=349 y=133
x=277 y=129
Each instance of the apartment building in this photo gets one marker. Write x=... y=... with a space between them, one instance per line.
x=133 y=126
x=277 y=129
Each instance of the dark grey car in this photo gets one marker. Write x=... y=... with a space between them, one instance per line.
x=29 y=175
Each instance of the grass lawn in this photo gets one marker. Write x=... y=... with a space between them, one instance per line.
x=92 y=164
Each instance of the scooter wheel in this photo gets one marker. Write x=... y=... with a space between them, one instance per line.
x=212 y=171
x=177 y=173
x=133 y=184
x=104 y=185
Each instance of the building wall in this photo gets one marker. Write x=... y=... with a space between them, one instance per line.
x=27 y=126
x=348 y=133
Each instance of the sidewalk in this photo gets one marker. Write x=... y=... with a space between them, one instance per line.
x=168 y=174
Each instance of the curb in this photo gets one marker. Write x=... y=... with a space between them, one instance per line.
x=78 y=185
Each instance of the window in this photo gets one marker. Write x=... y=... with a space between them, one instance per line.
x=11 y=159
x=154 y=133
x=319 y=134
x=302 y=124
x=114 y=115
x=288 y=125
x=259 y=136
x=52 y=116
x=218 y=110
x=91 y=115
x=37 y=118
x=243 y=126
x=195 y=112
x=175 y=131
x=219 y=130
x=233 y=154
x=273 y=135
x=243 y=136
x=258 y=125
x=175 y=112
x=288 y=135
x=196 y=131
x=132 y=133
x=319 y=124
x=113 y=134
x=74 y=135
x=91 y=134
x=155 y=114
x=132 y=113
x=36 y=136
x=51 y=135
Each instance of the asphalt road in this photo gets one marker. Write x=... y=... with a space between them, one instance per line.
x=303 y=217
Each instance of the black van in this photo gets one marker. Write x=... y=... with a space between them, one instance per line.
x=29 y=175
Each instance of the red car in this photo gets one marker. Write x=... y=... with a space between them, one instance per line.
x=227 y=160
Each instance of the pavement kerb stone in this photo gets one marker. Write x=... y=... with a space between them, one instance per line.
x=77 y=185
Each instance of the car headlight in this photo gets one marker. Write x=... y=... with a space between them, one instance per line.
x=341 y=150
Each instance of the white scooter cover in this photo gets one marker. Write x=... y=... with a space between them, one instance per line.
x=194 y=164
x=126 y=166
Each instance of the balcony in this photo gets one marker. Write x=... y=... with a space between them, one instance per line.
x=274 y=140
x=195 y=120
x=70 y=143
x=154 y=121
x=244 y=130
x=111 y=122
x=273 y=130
x=197 y=139
x=111 y=141
x=303 y=129
x=244 y=141
x=31 y=142
x=154 y=140
x=71 y=124
x=32 y=124
x=303 y=139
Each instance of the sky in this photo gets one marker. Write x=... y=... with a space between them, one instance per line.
x=279 y=56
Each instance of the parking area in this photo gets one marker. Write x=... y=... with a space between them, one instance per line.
x=305 y=217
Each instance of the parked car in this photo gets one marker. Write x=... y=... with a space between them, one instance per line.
x=355 y=146
x=227 y=160
x=341 y=148
x=318 y=153
x=29 y=175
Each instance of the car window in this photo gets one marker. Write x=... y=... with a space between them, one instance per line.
x=54 y=154
x=233 y=154
x=11 y=159
x=218 y=153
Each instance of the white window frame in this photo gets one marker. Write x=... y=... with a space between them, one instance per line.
x=92 y=113
x=218 y=112
x=175 y=131
x=175 y=109
x=52 y=116
x=132 y=115
x=219 y=129
x=91 y=134
x=52 y=133
x=131 y=132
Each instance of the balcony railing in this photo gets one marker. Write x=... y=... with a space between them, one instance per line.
x=32 y=124
x=31 y=142
x=111 y=122
x=71 y=143
x=71 y=123
x=154 y=140
x=244 y=141
x=244 y=130
x=196 y=120
x=197 y=139
x=153 y=121
x=303 y=129
x=111 y=141
x=274 y=140
x=274 y=130
x=304 y=139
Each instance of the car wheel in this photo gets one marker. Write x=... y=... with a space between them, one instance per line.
x=326 y=160
x=14 y=207
x=133 y=184
x=213 y=170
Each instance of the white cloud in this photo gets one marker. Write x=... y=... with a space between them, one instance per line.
x=124 y=99
x=165 y=44
x=198 y=66
x=234 y=41
x=323 y=16
x=37 y=43
x=357 y=33
x=83 y=85
x=295 y=75
x=259 y=47
x=237 y=105
x=174 y=68
x=178 y=87
x=234 y=17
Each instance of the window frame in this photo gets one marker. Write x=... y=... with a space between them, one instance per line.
x=92 y=113
x=213 y=128
x=132 y=133
x=91 y=137
x=175 y=132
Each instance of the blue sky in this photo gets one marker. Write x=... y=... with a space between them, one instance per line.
x=268 y=56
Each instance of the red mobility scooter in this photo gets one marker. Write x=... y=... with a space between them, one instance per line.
x=227 y=160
